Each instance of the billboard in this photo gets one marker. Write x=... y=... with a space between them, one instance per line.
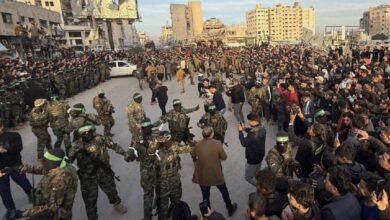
x=104 y=9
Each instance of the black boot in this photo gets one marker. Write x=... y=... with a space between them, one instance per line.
x=232 y=209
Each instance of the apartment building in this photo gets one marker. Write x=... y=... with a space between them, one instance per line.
x=278 y=23
x=187 y=20
x=379 y=20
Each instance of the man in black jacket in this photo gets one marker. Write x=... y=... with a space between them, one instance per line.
x=160 y=93
x=237 y=95
x=218 y=99
x=10 y=148
x=254 y=144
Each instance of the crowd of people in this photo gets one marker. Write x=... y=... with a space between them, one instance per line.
x=332 y=109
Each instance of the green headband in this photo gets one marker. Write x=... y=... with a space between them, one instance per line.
x=319 y=113
x=212 y=107
x=86 y=128
x=281 y=139
x=51 y=157
x=176 y=102
x=137 y=96
x=146 y=124
x=80 y=109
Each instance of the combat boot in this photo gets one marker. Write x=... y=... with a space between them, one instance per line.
x=120 y=208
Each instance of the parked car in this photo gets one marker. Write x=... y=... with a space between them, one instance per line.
x=121 y=68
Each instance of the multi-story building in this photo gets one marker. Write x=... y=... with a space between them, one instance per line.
x=195 y=6
x=12 y=12
x=181 y=22
x=187 y=20
x=166 y=35
x=309 y=19
x=379 y=20
x=76 y=27
x=279 y=23
x=364 y=23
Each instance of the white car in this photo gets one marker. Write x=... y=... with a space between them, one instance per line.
x=121 y=68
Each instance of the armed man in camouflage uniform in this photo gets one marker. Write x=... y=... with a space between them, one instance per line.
x=59 y=122
x=60 y=83
x=95 y=170
x=279 y=158
x=81 y=118
x=139 y=151
x=135 y=114
x=215 y=120
x=257 y=97
x=178 y=121
x=167 y=159
x=3 y=107
x=56 y=191
x=15 y=99
x=104 y=108
x=39 y=121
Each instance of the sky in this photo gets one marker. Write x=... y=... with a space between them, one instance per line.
x=155 y=13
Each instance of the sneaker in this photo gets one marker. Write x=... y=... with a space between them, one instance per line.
x=232 y=209
x=121 y=209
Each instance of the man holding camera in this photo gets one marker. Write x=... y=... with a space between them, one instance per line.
x=254 y=144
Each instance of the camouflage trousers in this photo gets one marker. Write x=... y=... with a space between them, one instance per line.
x=170 y=191
x=62 y=134
x=107 y=122
x=90 y=188
x=148 y=184
x=44 y=140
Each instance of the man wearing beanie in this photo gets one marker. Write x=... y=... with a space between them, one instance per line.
x=56 y=191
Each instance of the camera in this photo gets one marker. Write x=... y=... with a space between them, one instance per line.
x=292 y=109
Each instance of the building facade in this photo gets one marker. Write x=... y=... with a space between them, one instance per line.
x=195 y=6
x=166 y=35
x=235 y=35
x=379 y=20
x=309 y=19
x=143 y=38
x=187 y=20
x=12 y=12
x=279 y=23
x=181 y=22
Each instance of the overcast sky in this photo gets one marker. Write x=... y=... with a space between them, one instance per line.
x=155 y=13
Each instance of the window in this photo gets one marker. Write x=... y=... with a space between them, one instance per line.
x=51 y=4
x=38 y=3
x=7 y=18
x=21 y=18
x=74 y=34
x=112 y=64
x=121 y=64
x=47 y=4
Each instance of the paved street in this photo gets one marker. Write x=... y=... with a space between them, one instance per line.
x=119 y=91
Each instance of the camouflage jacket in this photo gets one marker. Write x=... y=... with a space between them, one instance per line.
x=102 y=106
x=279 y=163
x=177 y=121
x=216 y=121
x=38 y=117
x=135 y=114
x=77 y=121
x=256 y=96
x=167 y=157
x=58 y=114
x=94 y=155
x=55 y=192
